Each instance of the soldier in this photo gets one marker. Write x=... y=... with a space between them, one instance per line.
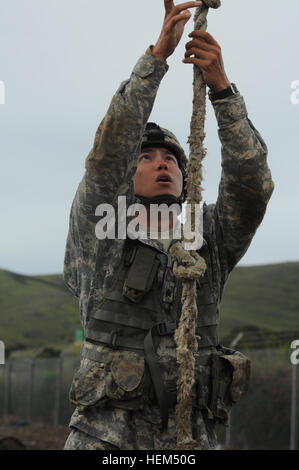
x=125 y=388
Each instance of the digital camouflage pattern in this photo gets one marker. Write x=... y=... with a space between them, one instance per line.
x=139 y=432
x=244 y=191
x=78 y=440
x=128 y=429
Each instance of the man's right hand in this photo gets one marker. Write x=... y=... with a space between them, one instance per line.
x=173 y=27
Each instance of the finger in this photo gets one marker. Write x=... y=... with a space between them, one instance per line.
x=168 y=4
x=199 y=54
x=201 y=45
x=203 y=64
x=205 y=36
x=181 y=17
x=184 y=6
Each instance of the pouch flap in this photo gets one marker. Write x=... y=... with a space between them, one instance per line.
x=88 y=386
x=127 y=369
x=143 y=269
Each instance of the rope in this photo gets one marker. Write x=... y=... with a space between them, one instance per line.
x=188 y=265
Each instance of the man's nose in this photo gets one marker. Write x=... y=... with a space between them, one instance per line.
x=161 y=164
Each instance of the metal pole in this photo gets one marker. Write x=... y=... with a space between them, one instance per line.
x=7 y=387
x=293 y=437
x=2 y=382
x=58 y=391
x=30 y=390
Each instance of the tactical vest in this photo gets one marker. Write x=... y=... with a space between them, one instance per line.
x=143 y=304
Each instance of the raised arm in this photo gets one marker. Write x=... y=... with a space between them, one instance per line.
x=119 y=134
x=246 y=184
x=110 y=163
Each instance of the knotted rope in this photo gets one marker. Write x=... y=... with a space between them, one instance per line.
x=188 y=265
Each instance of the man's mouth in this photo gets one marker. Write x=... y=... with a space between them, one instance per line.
x=163 y=179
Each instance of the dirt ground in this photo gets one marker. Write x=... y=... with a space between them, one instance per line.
x=33 y=436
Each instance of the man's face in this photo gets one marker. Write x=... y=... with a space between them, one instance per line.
x=157 y=173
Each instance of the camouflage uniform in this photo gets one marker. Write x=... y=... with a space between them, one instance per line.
x=90 y=264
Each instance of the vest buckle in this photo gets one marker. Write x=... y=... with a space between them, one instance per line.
x=113 y=338
x=166 y=328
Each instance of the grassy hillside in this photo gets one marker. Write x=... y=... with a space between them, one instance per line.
x=263 y=296
x=38 y=310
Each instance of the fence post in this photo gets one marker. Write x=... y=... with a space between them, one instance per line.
x=7 y=387
x=30 y=390
x=2 y=381
x=58 y=390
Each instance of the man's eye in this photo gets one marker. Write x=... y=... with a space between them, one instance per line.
x=146 y=157
x=171 y=158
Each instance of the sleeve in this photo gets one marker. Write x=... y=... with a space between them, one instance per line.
x=118 y=137
x=110 y=162
x=246 y=184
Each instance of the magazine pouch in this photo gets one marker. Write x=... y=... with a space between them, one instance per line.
x=230 y=376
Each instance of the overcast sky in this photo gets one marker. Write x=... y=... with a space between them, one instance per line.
x=61 y=62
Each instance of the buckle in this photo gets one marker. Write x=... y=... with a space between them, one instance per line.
x=113 y=338
x=166 y=328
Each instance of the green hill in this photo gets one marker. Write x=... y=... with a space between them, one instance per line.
x=38 y=310
x=262 y=296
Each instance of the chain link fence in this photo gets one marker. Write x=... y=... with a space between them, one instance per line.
x=267 y=417
x=36 y=390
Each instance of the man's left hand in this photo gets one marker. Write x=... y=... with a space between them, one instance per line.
x=176 y=16
x=207 y=55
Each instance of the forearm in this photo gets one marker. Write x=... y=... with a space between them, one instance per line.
x=244 y=153
x=118 y=136
x=115 y=148
x=246 y=184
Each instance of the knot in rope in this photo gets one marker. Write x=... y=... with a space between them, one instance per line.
x=187 y=265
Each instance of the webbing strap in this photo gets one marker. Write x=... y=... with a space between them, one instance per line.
x=93 y=354
x=155 y=371
x=94 y=333
x=133 y=320
x=108 y=338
